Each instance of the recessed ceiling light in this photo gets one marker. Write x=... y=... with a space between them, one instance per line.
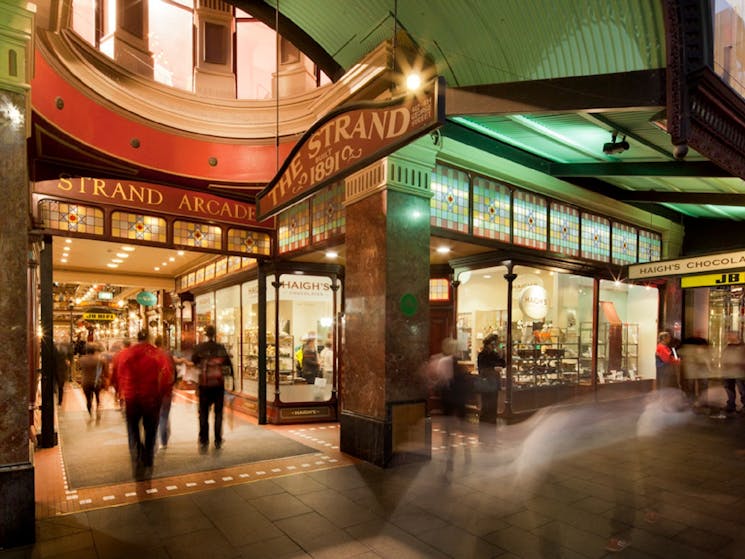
x=157 y=268
x=487 y=276
x=180 y=253
x=332 y=254
x=111 y=265
x=164 y=263
x=122 y=255
x=66 y=249
x=117 y=260
x=68 y=241
x=64 y=260
x=443 y=250
x=128 y=248
x=171 y=259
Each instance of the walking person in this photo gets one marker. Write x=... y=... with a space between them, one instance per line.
x=164 y=424
x=91 y=371
x=143 y=375
x=733 y=372
x=61 y=369
x=490 y=364
x=213 y=361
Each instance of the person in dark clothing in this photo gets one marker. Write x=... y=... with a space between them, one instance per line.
x=61 y=369
x=490 y=364
x=310 y=365
x=733 y=371
x=456 y=391
x=213 y=361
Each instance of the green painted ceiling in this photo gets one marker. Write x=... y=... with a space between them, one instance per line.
x=501 y=48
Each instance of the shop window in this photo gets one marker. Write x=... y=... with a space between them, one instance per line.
x=491 y=209
x=234 y=263
x=199 y=276
x=595 y=235
x=209 y=272
x=228 y=325
x=450 y=199
x=530 y=225
x=564 y=234
x=250 y=242
x=138 y=227
x=624 y=244
x=198 y=235
x=439 y=290
x=293 y=228
x=221 y=267
x=627 y=332
x=328 y=212
x=65 y=216
x=650 y=246
x=205 y=313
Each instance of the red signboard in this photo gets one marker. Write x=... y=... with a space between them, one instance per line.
x=349 y=139
x=146 y=197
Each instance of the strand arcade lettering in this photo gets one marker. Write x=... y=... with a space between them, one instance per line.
x=148 y=196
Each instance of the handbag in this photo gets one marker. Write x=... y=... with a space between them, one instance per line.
x=486 y=385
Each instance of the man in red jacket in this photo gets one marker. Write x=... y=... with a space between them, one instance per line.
x=144 y=373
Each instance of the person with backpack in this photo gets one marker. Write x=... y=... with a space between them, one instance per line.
x=213 y=362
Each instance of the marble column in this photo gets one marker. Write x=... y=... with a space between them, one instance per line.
x=383 y=416
x=16 y=463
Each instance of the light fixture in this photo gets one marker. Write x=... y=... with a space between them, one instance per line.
x=122 y=255
x=614 y=147
x=413 y=81
x=128 y=248
x=331 y=254
x=443 y=250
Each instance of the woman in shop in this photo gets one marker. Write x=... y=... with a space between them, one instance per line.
x=310 y=365
x=490 y=363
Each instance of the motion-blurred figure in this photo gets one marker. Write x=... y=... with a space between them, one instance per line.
x=733 y=371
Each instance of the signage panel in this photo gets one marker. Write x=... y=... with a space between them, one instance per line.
x=99 y=316
x=698 y=264
x=146 y=197
x=349 y=139
x=714 y=280
x=147 y=298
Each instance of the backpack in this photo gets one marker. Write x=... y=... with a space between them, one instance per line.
x=214 y=370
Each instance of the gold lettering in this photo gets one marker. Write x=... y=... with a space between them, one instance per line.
x=341 y=129
x=99 y=188
x=226 y=210
x=403 y=122
x=66 y=182
x=210 y=207
x=359 y=130
x=82 y=184
x=314 y=145
x=199 y=204
x=119 y=192
x=378 y=123
x=134 y=192
x=185 y=203
x=154 y=197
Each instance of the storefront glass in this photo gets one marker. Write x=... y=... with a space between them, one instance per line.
x=205 y=313
x=627 y=332
x=228 y=324
x=248 y=372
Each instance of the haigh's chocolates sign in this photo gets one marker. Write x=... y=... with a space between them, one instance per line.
x=349 y=139
x=145 y=197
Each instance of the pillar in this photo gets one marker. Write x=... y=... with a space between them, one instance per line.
x=213 y=68
x=16 y=462
x=383 y=415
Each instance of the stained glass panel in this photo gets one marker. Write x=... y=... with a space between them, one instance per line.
x=449 y=203
x=65 y=216
x=595 y=237
x=564 y=234
x=491 y=209
x=234 y=262
x=650 y=246
x=197 y=235
x=439 y=289
x=328 y=212
x=139 y=227
x=293 y=230
x=624 y=244
x=209 y=271
x=251 y=242
x=530 y=213
x=221 y=267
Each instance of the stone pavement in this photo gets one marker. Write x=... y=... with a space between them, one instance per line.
x=558 y=484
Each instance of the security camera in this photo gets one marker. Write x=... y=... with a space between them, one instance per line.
x=615 y=147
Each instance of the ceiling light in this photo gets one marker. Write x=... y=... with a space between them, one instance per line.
x=157 y=268
x=66 y=249
x=180 y=253
x=332 y=254
x=117 y=260
x=413 y=81
x=64 y=260
x=614 y=147
x=122 y=255
x=487 y=276
x=128 y=248
x=68 y=241
x=171 y=259
x=164 y=263
x=111 y=265
x=443 y=250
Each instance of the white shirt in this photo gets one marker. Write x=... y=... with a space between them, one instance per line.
x=327 y=361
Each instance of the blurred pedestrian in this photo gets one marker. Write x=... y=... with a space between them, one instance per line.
x=115 y=373
x=213 y=362
x=666 y=361
x=455 y=394
x=733 y=371
x=91 y=370
x=310 y=366
x=144 y=373
x=164 y=425
x=490 y=363
x=695 y=369
x=61 y=369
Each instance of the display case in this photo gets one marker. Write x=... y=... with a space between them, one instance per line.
x=250 y=363
x=617 y=352
x=544 y=364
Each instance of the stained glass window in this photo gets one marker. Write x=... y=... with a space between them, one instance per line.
x=564 y=234
x=624 y=244
x=491 y=209
x=328 y=212
x=65 y=216
x=293 y=228
x=191 y=279
x=251 y=242
x=209 y=272
x=221 y=267
x=199 y=275
x=595 y=237
x=650 y=246
x=234 y=262
x=439 y=289
x=140 y=227
x=197 y=235
x=530 y=216
x=449 y=203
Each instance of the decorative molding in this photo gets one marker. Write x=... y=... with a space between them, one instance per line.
x=389 y=173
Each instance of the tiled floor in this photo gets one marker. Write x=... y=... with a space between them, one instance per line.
x=557 y=485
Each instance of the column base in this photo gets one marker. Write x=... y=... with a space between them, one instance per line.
x=404 y=437
x=17 y=507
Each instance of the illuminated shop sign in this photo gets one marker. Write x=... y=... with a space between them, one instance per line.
x=99 y=316
x=146 y=197
x=349 y=139
x=698 y=264
x=713 y=280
